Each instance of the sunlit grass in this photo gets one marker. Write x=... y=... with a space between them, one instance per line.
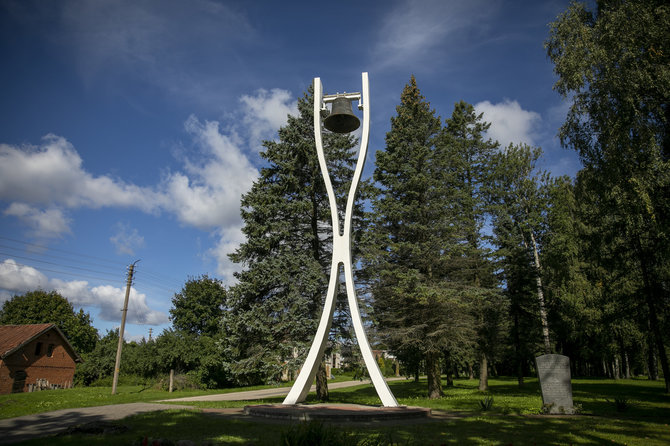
x=472 y=430
x=513 y=419
x=18 y=404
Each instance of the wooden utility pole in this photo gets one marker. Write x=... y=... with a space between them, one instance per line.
x=117 y=365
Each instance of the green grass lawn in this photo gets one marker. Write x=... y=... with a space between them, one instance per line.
x=513 y=419
x=17 y=404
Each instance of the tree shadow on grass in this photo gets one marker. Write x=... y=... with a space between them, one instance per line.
x=198 y=427
x=174 y=425
x=642 y=398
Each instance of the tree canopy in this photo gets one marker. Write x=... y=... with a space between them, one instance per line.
x=614 y=65
x=199 y=306
x=41 y=307
x=274 y=309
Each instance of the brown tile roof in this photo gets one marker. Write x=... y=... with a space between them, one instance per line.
x=13 y=337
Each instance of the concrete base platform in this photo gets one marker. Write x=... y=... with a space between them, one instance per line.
x=336 y=412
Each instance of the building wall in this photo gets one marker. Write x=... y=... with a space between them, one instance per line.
x=40 y=369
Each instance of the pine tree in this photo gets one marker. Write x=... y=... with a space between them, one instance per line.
x=273 y=311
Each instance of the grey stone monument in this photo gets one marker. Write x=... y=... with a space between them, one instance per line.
x=553 y=372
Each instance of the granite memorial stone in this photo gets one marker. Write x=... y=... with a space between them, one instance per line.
x=553 y=372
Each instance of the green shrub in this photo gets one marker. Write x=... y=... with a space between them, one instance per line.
x=181 y=381
x=486 y=403
x=622 y=404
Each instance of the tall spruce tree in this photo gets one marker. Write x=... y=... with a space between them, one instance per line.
x=273 y=311
x=466 y=154
x=521 y=204
x=411 y=232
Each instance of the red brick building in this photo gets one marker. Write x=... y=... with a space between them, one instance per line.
x=35 y=357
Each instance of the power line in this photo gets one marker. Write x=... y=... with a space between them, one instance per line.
x=75 y=257
x=57 y=264
x=67 y=273
x=50 y=256
x=108 y=270
x=78 y=254
x=108 y=276
x=161 y=279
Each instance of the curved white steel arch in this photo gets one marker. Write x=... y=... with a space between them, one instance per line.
x=341 y=255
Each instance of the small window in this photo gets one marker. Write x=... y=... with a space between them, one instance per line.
x=50 y=350
x=38 y=348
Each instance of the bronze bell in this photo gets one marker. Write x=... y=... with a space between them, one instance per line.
x=342 y=118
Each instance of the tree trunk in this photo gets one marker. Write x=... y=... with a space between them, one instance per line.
x=471 y=373
x=540 y=297
x=651 y=297
x=517 y=348
x=652 y=363
x=322 y=382
x=626 y=365
x=434 y=375
x=449 y=367
x=483 y=373
x=615 y=367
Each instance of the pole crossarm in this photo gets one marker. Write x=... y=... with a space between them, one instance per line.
x=341 y=256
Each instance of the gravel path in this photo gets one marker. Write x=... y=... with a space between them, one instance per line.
x=264 y=393
x=13 y=430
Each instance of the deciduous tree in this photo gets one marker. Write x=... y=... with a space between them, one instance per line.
x=41 y=307
x=199 y=306
x=614 y=66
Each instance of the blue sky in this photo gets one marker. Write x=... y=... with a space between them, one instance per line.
x=130 y=129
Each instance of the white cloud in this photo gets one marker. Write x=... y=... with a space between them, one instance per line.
x=127 y=239
x=42 y=184
x=509 y=122
x=419 y=30
x=16 y=279
x=53 y=174
x=47 y=223
x=76 y=291
x=229 y=239
x=265 y=113
x=208 y=194
x=110 y=301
